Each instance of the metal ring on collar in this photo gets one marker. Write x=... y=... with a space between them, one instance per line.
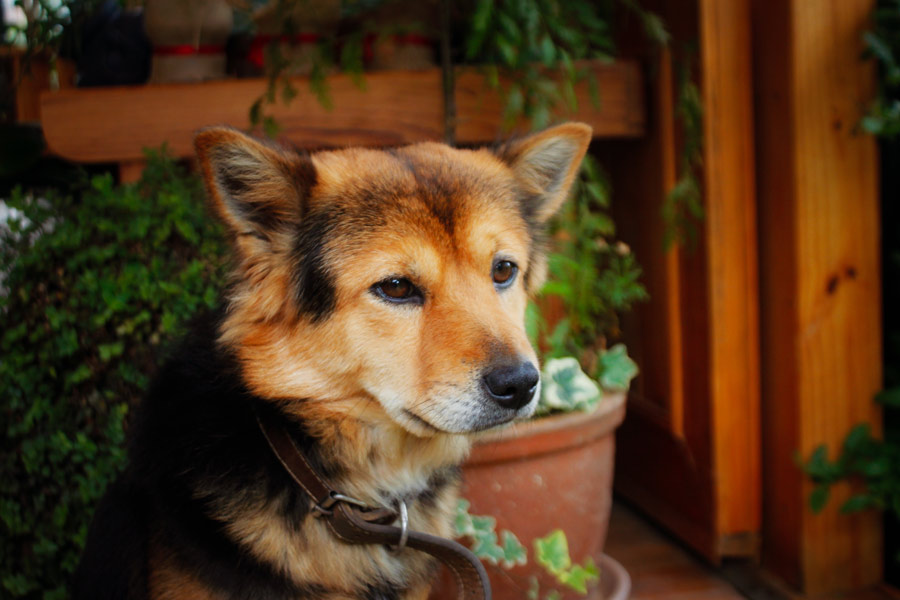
x=324 y=508
x=404 y=528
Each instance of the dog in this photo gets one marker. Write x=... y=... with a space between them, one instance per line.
x=376 y=312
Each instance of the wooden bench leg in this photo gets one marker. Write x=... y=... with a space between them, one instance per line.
x=130 y=171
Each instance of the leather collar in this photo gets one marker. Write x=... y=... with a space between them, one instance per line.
x=352 y=522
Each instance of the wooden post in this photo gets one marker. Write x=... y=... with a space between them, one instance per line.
x=820 y=287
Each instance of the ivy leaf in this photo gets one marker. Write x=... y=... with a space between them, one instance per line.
x=566 y=387
x=858 y=438
x=819 y=498
x=616 y=368
x=514 y=553
x=858 y=503
x=578 y=577
x=462 y=521
x=889 y=397
x=552 y=552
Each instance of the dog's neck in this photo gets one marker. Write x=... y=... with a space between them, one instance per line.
x=381 y=461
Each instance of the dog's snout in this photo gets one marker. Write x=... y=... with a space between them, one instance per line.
x=512 y=386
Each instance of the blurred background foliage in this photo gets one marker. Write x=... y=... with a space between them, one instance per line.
x=95 y=281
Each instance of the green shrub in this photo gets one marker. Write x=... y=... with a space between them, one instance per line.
x=93 y=286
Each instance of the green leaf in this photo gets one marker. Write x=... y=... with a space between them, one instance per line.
x=858 y=503
x=818 y=466
x=858 y=438
x=552 y=552
x=566 y=387
x=578 y=577
x=889 y=397
x=110 y=351
x=271 y=126
x=616 y=369
x=514 y=553
x=819 y=498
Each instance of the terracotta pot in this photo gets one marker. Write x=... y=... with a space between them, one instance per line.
x=615 y=582
x=550 y=473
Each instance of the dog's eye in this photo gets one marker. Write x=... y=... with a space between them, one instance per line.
x=504 y=273
x=398 y=289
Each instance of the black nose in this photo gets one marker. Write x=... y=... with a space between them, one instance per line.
x=512 y=386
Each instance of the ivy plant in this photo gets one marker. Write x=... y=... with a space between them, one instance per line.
x=872 y=461
x=504 y=549
x=552 y=553
x=882 y=43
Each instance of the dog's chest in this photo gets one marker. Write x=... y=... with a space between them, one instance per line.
x=305 y=551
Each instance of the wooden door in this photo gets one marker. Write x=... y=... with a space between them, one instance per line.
x=689 y=450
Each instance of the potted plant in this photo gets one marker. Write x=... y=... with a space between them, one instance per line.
x=547 y=486
x=537 y=496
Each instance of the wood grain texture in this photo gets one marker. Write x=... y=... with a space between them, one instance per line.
x=397 y=107
x=730 y=240
x=662 y=458
x=31 y=76
x=689 y=448
x=821 y=326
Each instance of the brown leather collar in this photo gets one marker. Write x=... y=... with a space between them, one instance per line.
x=354 y=523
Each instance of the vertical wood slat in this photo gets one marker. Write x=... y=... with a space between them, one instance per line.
x=731 y=248
x=697 y=470
x=821 y=322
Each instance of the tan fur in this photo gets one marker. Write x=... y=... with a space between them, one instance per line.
x=357 y=376
x=168 y=581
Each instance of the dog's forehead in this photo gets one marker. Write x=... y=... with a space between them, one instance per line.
x=412 y=182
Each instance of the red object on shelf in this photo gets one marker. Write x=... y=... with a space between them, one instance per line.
x=188 y=49
x=256 y=56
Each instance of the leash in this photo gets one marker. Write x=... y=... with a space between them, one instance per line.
x=353 y=522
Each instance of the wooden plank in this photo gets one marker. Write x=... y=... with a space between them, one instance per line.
x=31 y=79
x=821 y=326
x=397 y=107
x=663 y=461
x=693 y=462
x=732 y=288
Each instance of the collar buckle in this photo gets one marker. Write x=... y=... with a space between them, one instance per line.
x=325 y=508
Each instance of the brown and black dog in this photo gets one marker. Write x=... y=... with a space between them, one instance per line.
x=376 y=310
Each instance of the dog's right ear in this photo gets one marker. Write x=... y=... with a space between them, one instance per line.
x=255 y=189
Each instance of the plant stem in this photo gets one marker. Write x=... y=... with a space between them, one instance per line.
x=447 y=79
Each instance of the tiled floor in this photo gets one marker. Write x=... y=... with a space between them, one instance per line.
x=659 y=568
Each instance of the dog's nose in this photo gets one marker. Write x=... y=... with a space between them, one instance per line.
x=512 y=386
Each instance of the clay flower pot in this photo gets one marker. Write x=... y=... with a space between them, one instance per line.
x=551 y=473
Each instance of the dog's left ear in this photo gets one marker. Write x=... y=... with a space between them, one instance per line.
x=545 y=165
x=256 y=189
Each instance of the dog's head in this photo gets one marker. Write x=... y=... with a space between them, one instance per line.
x=389 y=283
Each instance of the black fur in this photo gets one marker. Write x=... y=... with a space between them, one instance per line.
x=195 y=431
x=313 y=283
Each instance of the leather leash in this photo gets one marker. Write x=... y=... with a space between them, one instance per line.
x=355 y=523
